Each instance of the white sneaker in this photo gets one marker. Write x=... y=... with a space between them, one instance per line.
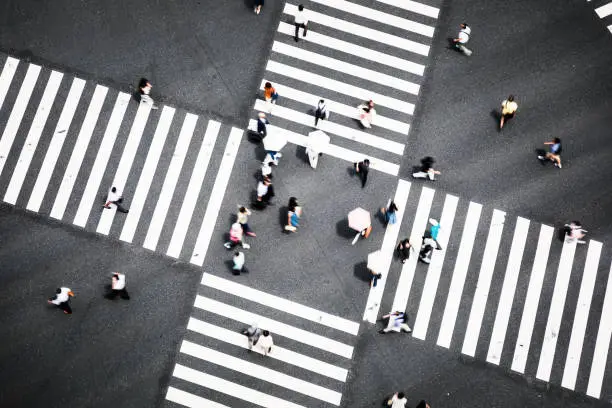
x=246 y=246
x=541 y=157
x=279 y=155
x=228 y=245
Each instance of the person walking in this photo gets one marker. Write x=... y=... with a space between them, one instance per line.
x=238 y=261
x=115 y=197
x=253 y=333
x=462 y=38
x=257 y=5
x=362 y=168
x=366 y=114
x=374 y=277
x=236 y=237
x=262 y=125
x=403 y=249
x=118 y=287
x=423 y=404
x=265 y=192
x=397 y=323
x=434 y=230
x=243 y=220
x=508 y=109
x=270 y=95
x=398 y=400
x=293 y=215
x=264 y=343
x=389 y=212
x=554 y=154
x=144 y=88
x=61 y=299
x=272 y=156
x=321 y=112
x=427 y=248
x=574 y=232
x=266 y=169
x=426 y=170
x=300 y=20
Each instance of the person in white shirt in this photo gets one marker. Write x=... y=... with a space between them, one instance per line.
x=264 y=343
x=144 y=87
x=114 y=197
x=397 y=323
x=300 y=21
x=238 y=260
x=398 y=400
x=62 y=299
x=118 y=286
x=462 y=38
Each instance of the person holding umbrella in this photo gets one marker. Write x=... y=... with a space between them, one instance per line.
x=317 y=143
x=273 y=143
x=360 y=220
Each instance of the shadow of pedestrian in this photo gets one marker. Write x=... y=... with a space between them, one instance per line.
x=562 y=233
x=361 y=272
x=343 y=230
x=300 y=154
x=282 y=217
x=541 y=152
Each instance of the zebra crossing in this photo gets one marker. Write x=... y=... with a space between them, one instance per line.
x=354 y=51
x=308 y=364
x=604 y=12
x=501 y=289
x=66 y=141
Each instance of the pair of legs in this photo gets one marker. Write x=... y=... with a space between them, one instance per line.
x=123 y=293
x=247 y=230
x=504 y=118
x=65 y=306
x=318 y=115
x=232 y=244
x=144 y=98
x=297 y=30
x=431 y=174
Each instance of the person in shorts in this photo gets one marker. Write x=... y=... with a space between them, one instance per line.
x=508 y=109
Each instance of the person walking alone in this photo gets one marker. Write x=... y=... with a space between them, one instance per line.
x=508 y=109
x=265 y=193
x=397 y=323
x=238 y=261
x=118 y=287
x=398 y=400
x=300 y=21
x=321 y=112
x=144 y=88
x=554 y=154
x=265 y=343
x=362 y=168
x=293 y=215
x=62 y=299
x=115 y=197
x=462 y=38
x=574 y=232
x=262 y=125
x=243 y=220
x=253 y=333
x=270 y=95
x=426 y=170
x=389 y=212
x=257 y=5
x=403 y=249
x=236 y=237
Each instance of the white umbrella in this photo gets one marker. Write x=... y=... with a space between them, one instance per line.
x=274 y=142
x=317 y=141
x=359 y=219
x=375 y=261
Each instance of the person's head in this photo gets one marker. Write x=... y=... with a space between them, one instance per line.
x=262 y=115
x=557 y=140
x=242 y=209
x=236 y=253
x=366 y=162
x=114 y=189
x=266 y=333
x=463 y=25
x=392 y=207
x=322 y=101
x=58 y=290
x=511 y=98
x=371 y=103
x=293 y=202
x=116 y=275
x=268 y=85
x=400 y=395
x=301 y=7
x=270 y=163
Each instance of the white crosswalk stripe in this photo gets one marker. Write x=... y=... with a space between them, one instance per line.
x=507 y=292
x=306 y=368
x=604 y=12
x=352 y=53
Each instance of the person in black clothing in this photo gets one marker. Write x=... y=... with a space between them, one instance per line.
x=262 y=128
x=362 y=169
x=403 y=249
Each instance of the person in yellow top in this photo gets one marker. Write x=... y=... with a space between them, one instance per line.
x=509 y=108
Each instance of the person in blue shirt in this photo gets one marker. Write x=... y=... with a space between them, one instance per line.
x=554 y=153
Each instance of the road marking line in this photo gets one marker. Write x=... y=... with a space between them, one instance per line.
x=530 y=307
x=55 y=147
x=354 y=49
x=402 y=292
x=216 y=197
x=581 y=316
x=125 y=164
x=232 y=389
x=282 y=329
x=602 y=344
x=19 y=107
x=78 y=153
x=193 y=190
x=345 y=67
x=414 y=7
x=281 y=304
x=101 y=161
x=487 y=267
x=361 y=31
x=379 y=16
x=189 y=400
x=333 y=150
x=146 y=175
x=504 y=307
x=331 y=127
x=261 y=373
x=336 y=107
x=281 y=354
x=172 y=176
x=31 y=141
x=434 y=271
x=610 y=28
x=604 y=11
x=462 y=264
x=549 y=343
x=6 y=78
x=387 y=250
x=358 y=93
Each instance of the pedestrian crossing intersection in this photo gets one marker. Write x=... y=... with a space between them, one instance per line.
x=502 y=289
x=354 y=51
x=603 y=9
x=65 y=141
x=308 y=364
